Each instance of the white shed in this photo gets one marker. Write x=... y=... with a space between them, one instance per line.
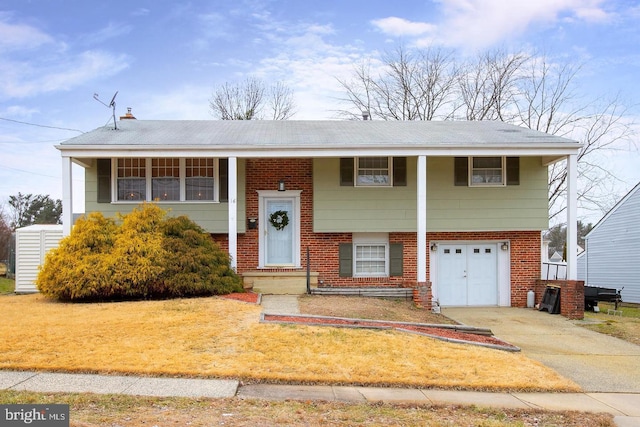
x=612 y=255
x=32 y=244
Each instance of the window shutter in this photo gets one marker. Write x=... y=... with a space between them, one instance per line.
x=104 y=180
x=346 y=260
x=395 y=259
x=346 y=171
x=513 y=170
x=223 y=173
x=461 y=171
x=399 y=171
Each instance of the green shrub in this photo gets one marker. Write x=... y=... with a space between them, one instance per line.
x=146 y=256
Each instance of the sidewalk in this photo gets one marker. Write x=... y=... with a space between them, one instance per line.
x=625 y=407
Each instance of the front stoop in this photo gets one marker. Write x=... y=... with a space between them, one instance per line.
x=279 y=282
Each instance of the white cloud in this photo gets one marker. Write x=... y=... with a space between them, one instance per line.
x=401 y=27
x=474 y=24
x=62 y=72
x=19 y=36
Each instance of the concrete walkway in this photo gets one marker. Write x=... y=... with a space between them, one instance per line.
x=596 y=362
x=625 y=407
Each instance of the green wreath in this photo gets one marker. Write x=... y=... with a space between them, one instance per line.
x=279 y=219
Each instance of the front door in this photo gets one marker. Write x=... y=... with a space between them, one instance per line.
x=279 y=243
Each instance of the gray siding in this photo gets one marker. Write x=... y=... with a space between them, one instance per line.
x=213 y=217
x=612 y=259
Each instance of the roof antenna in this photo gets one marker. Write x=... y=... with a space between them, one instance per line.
x=111 y=105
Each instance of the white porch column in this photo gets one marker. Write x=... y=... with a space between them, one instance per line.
x=422 y=220
x=572 y=217
x=67 y=196
x=233 y=211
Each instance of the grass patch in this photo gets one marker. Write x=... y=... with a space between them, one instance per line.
x=625 y=327
x=7 y=286
x=89 y=410
x=219 y=338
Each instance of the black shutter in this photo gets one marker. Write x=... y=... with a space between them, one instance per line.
x=513 y=170
x=223 y=173
x=346 y=171
x=346 y=260
x=103 y=167
x=395 y=259
x=461 y=171
x=399 y=171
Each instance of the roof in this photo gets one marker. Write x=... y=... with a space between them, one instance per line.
x=232 y=135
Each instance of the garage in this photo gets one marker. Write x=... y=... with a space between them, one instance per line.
x=467 y=274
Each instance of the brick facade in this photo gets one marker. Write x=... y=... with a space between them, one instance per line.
x=264 y=174
x=571 y=296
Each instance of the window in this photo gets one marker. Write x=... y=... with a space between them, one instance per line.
x=131 y=179
x=199 y=179
x=487 y=171
x=373 y=171
x=371 y=255
x=371 y=260
x=165 y=179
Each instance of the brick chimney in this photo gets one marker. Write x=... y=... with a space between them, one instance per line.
x=128 y=116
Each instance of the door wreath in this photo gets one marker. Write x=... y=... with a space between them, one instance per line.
x=279 y=219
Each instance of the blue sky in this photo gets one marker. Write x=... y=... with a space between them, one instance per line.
x=165 y=60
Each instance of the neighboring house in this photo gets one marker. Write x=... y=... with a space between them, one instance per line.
x=454 y=209
x=612 y=255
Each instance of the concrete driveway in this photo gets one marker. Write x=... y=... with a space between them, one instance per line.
x=596 y=362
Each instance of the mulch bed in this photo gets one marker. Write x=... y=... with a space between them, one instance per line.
x=250 y=297
x=448 y=333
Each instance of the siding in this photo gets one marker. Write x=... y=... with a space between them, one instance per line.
x=213 y=217
x=449 y=208
x=612 y=258
x=32 y=244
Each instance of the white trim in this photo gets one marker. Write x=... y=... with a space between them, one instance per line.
x=422 y=220
x=233 y=211
x=503 y=273
x=293 y=195
x=67 y=196
x=572 y=217
x=552 y=152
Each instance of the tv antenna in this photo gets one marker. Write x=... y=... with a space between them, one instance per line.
x=111 y=105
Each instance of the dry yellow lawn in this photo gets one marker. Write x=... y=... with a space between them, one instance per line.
x=215 y=337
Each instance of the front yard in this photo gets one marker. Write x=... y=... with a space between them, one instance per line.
x=219 y=338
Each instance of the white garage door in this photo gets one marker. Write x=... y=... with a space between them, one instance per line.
x=468 y=274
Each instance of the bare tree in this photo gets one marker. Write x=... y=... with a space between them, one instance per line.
x=526 y=90
x=548 y=102
x=488 y=85
x=409 y=86
x=246 y=101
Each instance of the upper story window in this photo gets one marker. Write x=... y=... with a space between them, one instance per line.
x=131 y=179
x=487 y=171
x=199 y=179
x=166 y=179
x=373 y=171
x=492 y=171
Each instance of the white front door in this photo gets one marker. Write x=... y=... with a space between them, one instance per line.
x=467 y=274
x=280 y=230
